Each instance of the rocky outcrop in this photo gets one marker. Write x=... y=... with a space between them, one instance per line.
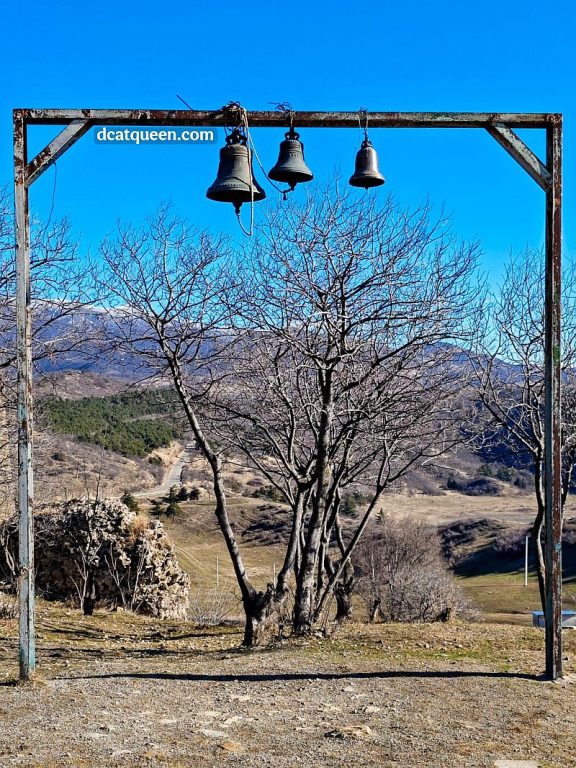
x=101 y=553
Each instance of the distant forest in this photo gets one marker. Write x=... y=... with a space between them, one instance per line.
x=131 y=424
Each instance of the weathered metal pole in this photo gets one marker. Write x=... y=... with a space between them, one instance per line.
x=24 y=358
x=553 y=424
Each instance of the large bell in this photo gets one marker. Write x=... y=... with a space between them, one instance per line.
x=291 y=168
x=366 y=173
x=235 y=182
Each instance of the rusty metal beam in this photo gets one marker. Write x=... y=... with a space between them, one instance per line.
x=44 y=159
x=279 y=119
x=552 y=416
x=523 y=155
x=24 y=358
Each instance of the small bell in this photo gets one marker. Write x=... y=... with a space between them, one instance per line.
x=366 y=173
x=235 y=182
x=291 y=168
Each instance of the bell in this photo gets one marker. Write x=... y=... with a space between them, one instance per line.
x=366 y=173
x=235 y=182
x=291 y=167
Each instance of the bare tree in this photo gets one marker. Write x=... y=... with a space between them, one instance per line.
x=343 y=371
x=165 y=285
x=507 y=360
x=320 y=357
x=60 y=327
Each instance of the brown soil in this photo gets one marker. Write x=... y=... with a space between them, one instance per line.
x=120 y=690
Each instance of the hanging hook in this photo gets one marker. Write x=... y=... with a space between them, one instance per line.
x=363 y=113
x=233 y=112
x=286 y=108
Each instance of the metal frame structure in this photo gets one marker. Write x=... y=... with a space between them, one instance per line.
x=547 y=174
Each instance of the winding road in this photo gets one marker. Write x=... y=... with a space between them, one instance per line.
x=172 y=476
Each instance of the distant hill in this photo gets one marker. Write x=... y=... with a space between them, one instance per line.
x=90 y=372
x=487 y=546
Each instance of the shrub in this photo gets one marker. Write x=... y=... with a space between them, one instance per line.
x=268 y=492
x=403 y=576
x=210 y=607
x=173 y=509
x=505 y=474
x=130 y=501
x=482 y=486
x=156 y=508
x=182 y=494
x=479 y=486
x=452 y=484
x=511 y=542
x=8 y=607
x=348 y=506
x=234 y=485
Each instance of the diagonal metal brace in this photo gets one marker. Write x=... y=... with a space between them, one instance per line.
x=523 y=155
x=44 y=159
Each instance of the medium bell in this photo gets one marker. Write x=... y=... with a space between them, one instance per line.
x=235 y=182
x=366 y=173
x=291 y=168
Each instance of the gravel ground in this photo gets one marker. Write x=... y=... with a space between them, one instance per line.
x=118 y=690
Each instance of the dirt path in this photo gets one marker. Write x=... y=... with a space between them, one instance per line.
x=171 y=478
x=123 y=691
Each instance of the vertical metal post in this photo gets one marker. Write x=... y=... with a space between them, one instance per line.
x=526 y=562
x=552 y=372
x=24 y=358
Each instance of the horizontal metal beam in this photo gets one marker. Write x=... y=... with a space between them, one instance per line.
x=279 y=119
x=57 y=147
x=523 y=155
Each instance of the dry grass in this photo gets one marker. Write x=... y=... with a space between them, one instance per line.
x=122 y=690
x=500 y=597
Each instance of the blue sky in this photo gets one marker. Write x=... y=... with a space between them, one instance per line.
x=409 y=56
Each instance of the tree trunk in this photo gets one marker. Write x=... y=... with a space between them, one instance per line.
x=304 y=604
x=258 y=606
x=251 y=599
x=90 y=595
x=343 y=594
x=343 y=603
x=537 y=530
x=374 y=609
